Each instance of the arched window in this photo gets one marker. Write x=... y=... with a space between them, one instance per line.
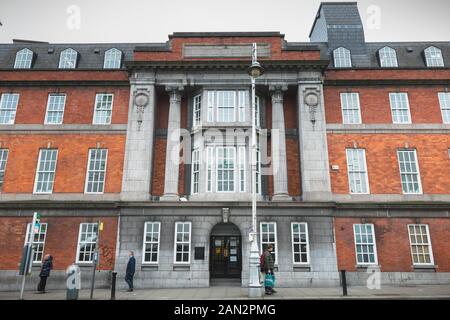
x=388 y=57
x=24 y=59
x=113 y=59
x=433 y=57
x=342 y=58
x=68 y=59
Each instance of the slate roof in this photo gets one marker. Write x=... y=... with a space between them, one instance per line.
x=87 y=56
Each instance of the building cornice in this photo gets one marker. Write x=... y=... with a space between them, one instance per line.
x=340 y=206
x=240 y=65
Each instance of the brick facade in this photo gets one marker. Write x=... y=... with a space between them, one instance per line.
x=392 y=236
x=315 y=173
x=384 y=176
x=72 y=161
x=61 y=240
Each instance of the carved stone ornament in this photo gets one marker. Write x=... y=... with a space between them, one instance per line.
x=141 y=100
x=312 y=101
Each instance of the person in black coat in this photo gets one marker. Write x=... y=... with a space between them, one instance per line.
x=131 y=268
x=47 y=266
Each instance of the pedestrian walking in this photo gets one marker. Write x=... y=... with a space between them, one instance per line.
x=47 y=266
x=269 y=279
x=131 y=268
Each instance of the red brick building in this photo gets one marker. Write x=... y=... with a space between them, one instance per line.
x=153 y=141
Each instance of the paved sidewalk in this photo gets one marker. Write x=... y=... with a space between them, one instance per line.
x=238 y=293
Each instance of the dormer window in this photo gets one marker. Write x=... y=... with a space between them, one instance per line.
x=24 y=59
x=113 y=59
x=433 y=57
x=68 y=59
x=388 y=57
x=342 y=58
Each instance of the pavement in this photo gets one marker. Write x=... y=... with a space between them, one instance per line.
x=238 y=293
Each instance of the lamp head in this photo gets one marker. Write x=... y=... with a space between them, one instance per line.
x=255 y=70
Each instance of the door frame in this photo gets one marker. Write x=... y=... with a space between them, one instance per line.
x=211 y=254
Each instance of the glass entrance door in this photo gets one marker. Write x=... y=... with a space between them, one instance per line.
x=225 y=257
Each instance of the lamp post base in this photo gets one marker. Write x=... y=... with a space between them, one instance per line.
x=255 y=292
x=254 y=286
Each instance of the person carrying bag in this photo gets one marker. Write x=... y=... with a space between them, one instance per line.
x=269 y=279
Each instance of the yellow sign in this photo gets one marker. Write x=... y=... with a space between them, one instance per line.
x=100 y=226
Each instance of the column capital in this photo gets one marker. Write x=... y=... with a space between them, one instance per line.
x=277 y=87
x=175 y=91
x=276 y=91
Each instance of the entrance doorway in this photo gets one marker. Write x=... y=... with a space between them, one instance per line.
x=225 y=252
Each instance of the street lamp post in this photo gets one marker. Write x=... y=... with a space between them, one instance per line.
x=254 y=286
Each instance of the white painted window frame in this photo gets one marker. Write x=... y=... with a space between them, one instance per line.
x=219 y=107
x=210 y=165
x=444 y=104
x=433 y=57
x=68 y=59
x=342 y=58
x=51 y=172
x=428 y=244
x=182 y=242
x=87 y=171
x=397 y=106
x=414 y=151
x=195 y=171
x=347 y=105
x=267 y=242
x=388 y=57
x=145 y=242
x=77 y=260
x=102 y=108
x=4 y=109
x=300 y=243
x=242 y=168
x=374 y=244
x=197 y=110
x=362 y=173
x=38 y=235
x=4 y=153
x=113 y=59
x=234 y=168
x=242 y=104
x=50 y=96
x=24 y=59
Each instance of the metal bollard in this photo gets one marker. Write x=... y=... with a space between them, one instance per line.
x=113 y=286
x=344 y=283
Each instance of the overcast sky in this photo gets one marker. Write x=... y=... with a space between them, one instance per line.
x=68 y=21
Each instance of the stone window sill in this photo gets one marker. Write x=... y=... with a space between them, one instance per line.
x=424 y=268
x=302 y=268
x=149 y=267
x=85 y=265
x=182 y=267
x=360 y=267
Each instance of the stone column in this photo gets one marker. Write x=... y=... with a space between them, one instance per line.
x=315 y=173
x=173 y=145
x=278 y=145
x=137 y=172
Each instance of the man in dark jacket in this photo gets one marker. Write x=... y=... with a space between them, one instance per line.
x=47 y=266
x=131 y=268
x=268 y=267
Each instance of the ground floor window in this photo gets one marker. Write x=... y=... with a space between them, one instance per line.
x=268 y=231
x=182 y=250
x=151 y=242
x=40 y=233
x=366 y=252
x=87 y=241
x=300 y=242
x=419 y=239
